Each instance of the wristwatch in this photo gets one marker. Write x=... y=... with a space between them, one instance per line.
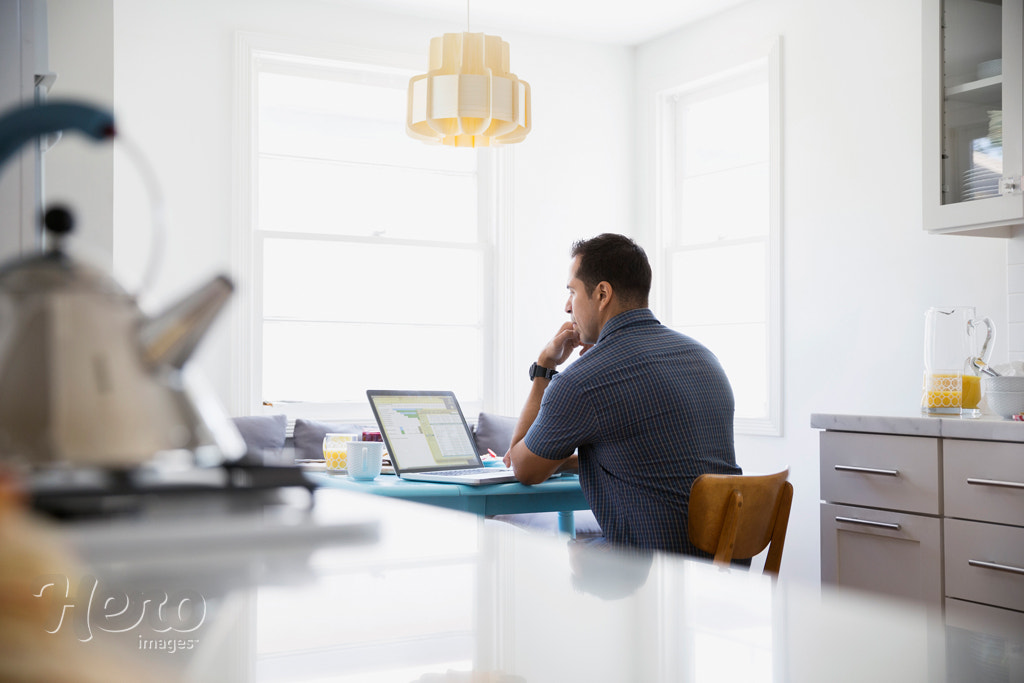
x=541 y=371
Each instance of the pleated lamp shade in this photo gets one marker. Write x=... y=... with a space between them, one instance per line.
x=468 y=98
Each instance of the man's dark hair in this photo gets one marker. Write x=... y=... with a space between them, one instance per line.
x=617 y=260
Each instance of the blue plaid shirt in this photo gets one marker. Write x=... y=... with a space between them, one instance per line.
x=649 y=410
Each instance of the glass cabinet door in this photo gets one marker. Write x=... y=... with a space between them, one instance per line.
x=972 y=116
x=973 y=155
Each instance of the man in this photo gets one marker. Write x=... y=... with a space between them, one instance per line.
x=648 y=409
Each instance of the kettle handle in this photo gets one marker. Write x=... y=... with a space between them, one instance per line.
x=22 y=124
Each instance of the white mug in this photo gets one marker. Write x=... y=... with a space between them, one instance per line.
x=364 y=459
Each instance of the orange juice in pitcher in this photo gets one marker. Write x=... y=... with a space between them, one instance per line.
x=952 y=385
x=943 y=393
x=971 y=392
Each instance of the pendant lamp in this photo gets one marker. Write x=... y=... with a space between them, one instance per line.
x=468 y=98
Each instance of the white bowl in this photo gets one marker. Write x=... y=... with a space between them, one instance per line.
x=1006 y=384
x=1005 y=403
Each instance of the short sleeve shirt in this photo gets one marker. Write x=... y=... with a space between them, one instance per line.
x=649 y=410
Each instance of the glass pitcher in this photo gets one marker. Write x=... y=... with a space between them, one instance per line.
x=952 y=381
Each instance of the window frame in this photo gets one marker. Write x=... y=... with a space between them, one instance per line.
x=255 y=53
x=666 y=196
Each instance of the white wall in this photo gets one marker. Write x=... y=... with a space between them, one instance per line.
x=858 y=270
x=1014 y=340
x=573 y=177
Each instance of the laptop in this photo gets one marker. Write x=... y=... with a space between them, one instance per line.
x=428 y=438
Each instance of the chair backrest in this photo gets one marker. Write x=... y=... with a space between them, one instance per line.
x=737 y=516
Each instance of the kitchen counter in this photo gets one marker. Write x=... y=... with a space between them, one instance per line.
x=425 y=594
x=985 y=428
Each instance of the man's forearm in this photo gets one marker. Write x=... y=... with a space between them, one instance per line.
x=530 y=410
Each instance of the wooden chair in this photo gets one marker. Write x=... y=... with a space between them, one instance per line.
x=738 y=516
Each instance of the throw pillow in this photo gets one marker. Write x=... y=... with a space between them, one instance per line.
x=263 y=434
x=494 y=432
x=309 y=437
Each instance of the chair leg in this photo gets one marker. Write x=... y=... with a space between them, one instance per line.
x=774 y=559
x=727 y=540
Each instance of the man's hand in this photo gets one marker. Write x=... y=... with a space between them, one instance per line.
x=561 y=346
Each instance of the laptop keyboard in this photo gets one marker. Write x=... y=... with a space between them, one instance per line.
x=472 y=470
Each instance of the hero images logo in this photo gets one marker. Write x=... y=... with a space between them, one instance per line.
x=118 y=612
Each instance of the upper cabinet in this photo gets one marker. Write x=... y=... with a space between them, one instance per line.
x=972 y=116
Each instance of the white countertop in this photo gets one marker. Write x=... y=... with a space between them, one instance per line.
x=985 y=428
x=437 y=595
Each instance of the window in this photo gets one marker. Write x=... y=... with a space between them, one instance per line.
x=719 y=230
x=368 y=250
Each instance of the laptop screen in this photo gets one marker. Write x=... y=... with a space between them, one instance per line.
x=423 y=430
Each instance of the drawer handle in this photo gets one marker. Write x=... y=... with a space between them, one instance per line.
x=998 y=567
x=868 y=522
x=867 y=470
x=996 y=482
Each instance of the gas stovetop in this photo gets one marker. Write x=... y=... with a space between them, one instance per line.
x=103 y=492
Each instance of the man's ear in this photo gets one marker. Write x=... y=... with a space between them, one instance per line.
x=604 y=293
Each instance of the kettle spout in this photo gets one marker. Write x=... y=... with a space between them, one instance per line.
x=171 y=337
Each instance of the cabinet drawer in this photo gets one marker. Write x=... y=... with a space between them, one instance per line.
x=985 y=563
x=983 y=643
x=993 y=621
x=984 y=480
x=891 y=553
x=884 y=471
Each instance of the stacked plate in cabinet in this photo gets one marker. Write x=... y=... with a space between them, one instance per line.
x=995 y=127
x=980 y=183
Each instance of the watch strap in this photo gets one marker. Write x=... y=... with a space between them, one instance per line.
x=541 y=371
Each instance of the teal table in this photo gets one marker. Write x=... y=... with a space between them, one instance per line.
x=562 y=495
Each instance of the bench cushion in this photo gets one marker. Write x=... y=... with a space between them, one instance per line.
x=309 y=436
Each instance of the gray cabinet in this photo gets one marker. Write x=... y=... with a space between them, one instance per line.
x=895 y=554
x=984 y=555
x=924 y=518
x=984 y=535
x=880 y=524
x=932 y=510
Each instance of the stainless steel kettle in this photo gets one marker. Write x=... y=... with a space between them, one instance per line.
x=86 y=378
